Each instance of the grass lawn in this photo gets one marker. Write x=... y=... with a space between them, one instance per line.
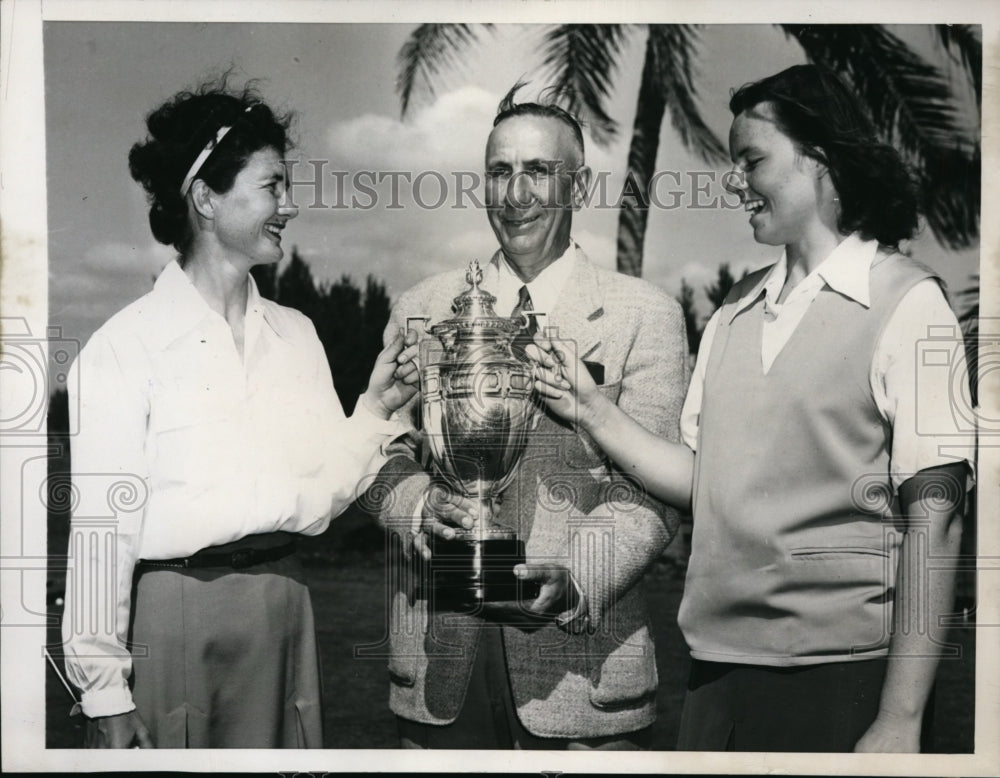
x=350 y=610
x=349 y=601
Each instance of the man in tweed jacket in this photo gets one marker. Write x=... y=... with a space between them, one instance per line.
x=583 y=673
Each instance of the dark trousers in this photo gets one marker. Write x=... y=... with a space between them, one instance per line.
x=227 y=658
x=488 y=719
x=811 y=708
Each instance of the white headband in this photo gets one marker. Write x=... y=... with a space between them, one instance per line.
x=206 y=153
x=200 y=159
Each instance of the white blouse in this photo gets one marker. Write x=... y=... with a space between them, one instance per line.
x=216 y=447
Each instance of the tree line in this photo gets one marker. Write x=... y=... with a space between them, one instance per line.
x=349 y=319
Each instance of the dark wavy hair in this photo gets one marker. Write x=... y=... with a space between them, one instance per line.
x=546 y=107
x=179 y=130
x=813 y=107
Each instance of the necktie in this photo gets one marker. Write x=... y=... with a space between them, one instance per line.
x=524 y=305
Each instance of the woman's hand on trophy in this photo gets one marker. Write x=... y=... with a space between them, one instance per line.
x=395 y=377
x=443 y=514
x=562 y=380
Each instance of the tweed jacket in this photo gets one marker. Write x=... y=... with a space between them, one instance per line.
x=572 y=508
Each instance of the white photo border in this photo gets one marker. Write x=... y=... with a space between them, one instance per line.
x=24 y=295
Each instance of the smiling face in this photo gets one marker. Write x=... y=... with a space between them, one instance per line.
x=787 y=194
x=250 y=217
x=533 y=180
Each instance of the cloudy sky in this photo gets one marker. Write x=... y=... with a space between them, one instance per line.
x=102 y=78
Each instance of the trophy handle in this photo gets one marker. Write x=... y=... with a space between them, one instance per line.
x=423 y=319
x=447 y=334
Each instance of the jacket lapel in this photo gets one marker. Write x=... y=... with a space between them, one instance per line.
x=580 y=309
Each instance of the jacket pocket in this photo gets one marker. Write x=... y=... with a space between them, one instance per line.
x=622 y=671
x=407 y=628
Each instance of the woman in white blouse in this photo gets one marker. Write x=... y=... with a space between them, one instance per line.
x=218 y=407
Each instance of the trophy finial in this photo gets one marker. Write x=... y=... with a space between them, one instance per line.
x=474 y=275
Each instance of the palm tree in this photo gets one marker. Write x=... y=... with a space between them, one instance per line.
x=910 y=100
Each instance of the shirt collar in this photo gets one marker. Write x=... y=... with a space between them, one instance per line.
x=845 y=270
x=186 y=309
x=183 y=304
x=759 y=286
x=848 y=268
x=544 y=288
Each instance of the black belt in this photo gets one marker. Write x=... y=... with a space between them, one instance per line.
x=238 y=560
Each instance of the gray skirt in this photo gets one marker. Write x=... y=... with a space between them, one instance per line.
x=226 y=658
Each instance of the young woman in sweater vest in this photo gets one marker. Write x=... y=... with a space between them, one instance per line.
x=817 y=500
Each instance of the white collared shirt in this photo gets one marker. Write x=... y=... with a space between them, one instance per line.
x=915 y=401
x=544 y=288
x=219 y=447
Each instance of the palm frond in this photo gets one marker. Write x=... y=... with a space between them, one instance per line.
x=966 y=42
x=429 y=49
x=950 y=196
x=581 y=60
x=910 y=100
x=674 y=48
x=914 y=109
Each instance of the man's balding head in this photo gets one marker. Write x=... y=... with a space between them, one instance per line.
x=508 y=108
x=535 y=179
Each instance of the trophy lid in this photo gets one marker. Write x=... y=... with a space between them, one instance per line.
x=474 y=308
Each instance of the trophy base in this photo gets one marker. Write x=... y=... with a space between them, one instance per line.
x=464 y=573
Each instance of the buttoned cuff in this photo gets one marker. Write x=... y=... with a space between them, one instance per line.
x=106 y=702
x=578 y=619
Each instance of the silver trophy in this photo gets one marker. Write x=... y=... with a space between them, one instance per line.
x=478 y=407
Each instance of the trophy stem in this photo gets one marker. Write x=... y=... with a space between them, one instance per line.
x=480 y=489
x=477 y=553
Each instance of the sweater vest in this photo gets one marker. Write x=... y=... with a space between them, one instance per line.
x=796 y=530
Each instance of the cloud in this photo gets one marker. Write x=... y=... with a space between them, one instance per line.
x=85 y=293
x=390 y=231
x=449 y=134
x=696 y=274
x=400 y=247
x=446 y=136
x=118 y=257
